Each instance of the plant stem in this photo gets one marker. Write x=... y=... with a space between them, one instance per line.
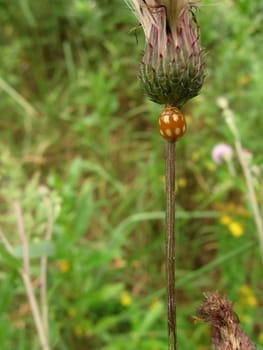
x=25 y=274
x=170 y=243
x=44 y=267
x=35 y=310
x=252 y=197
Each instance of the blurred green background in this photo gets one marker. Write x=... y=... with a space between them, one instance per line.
x=80 y=151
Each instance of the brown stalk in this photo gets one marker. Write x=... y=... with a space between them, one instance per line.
x=170 y=243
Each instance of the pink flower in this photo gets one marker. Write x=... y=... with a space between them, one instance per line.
x=222 y=152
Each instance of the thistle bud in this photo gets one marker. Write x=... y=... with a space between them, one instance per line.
x=172 y=71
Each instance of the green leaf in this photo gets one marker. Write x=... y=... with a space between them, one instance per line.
x=36 y=250
x=8 y=258
x=84 y=211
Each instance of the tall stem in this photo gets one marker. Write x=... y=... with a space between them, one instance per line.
x=170 y=243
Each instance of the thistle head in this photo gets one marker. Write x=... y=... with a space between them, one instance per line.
x=172 y=70
x=222 y=152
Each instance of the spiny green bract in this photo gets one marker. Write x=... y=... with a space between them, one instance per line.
x=175 y=87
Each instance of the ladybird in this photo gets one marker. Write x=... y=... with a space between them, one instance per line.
x=172 y=124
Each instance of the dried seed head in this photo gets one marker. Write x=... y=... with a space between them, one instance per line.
x=226 y=332
x=172 y=70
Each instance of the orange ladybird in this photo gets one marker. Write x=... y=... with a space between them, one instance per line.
x=172 y=124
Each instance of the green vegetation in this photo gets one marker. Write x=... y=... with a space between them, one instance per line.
x=81 y=153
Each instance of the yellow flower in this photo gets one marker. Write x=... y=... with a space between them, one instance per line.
x=225 y=220
x=248 y=296
x=245 y=290
x=182 y=182
x=260 y=337
x=252 y=300
x=63 y=265
x=125 y=299
x=154 y=304
x=236 y=229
